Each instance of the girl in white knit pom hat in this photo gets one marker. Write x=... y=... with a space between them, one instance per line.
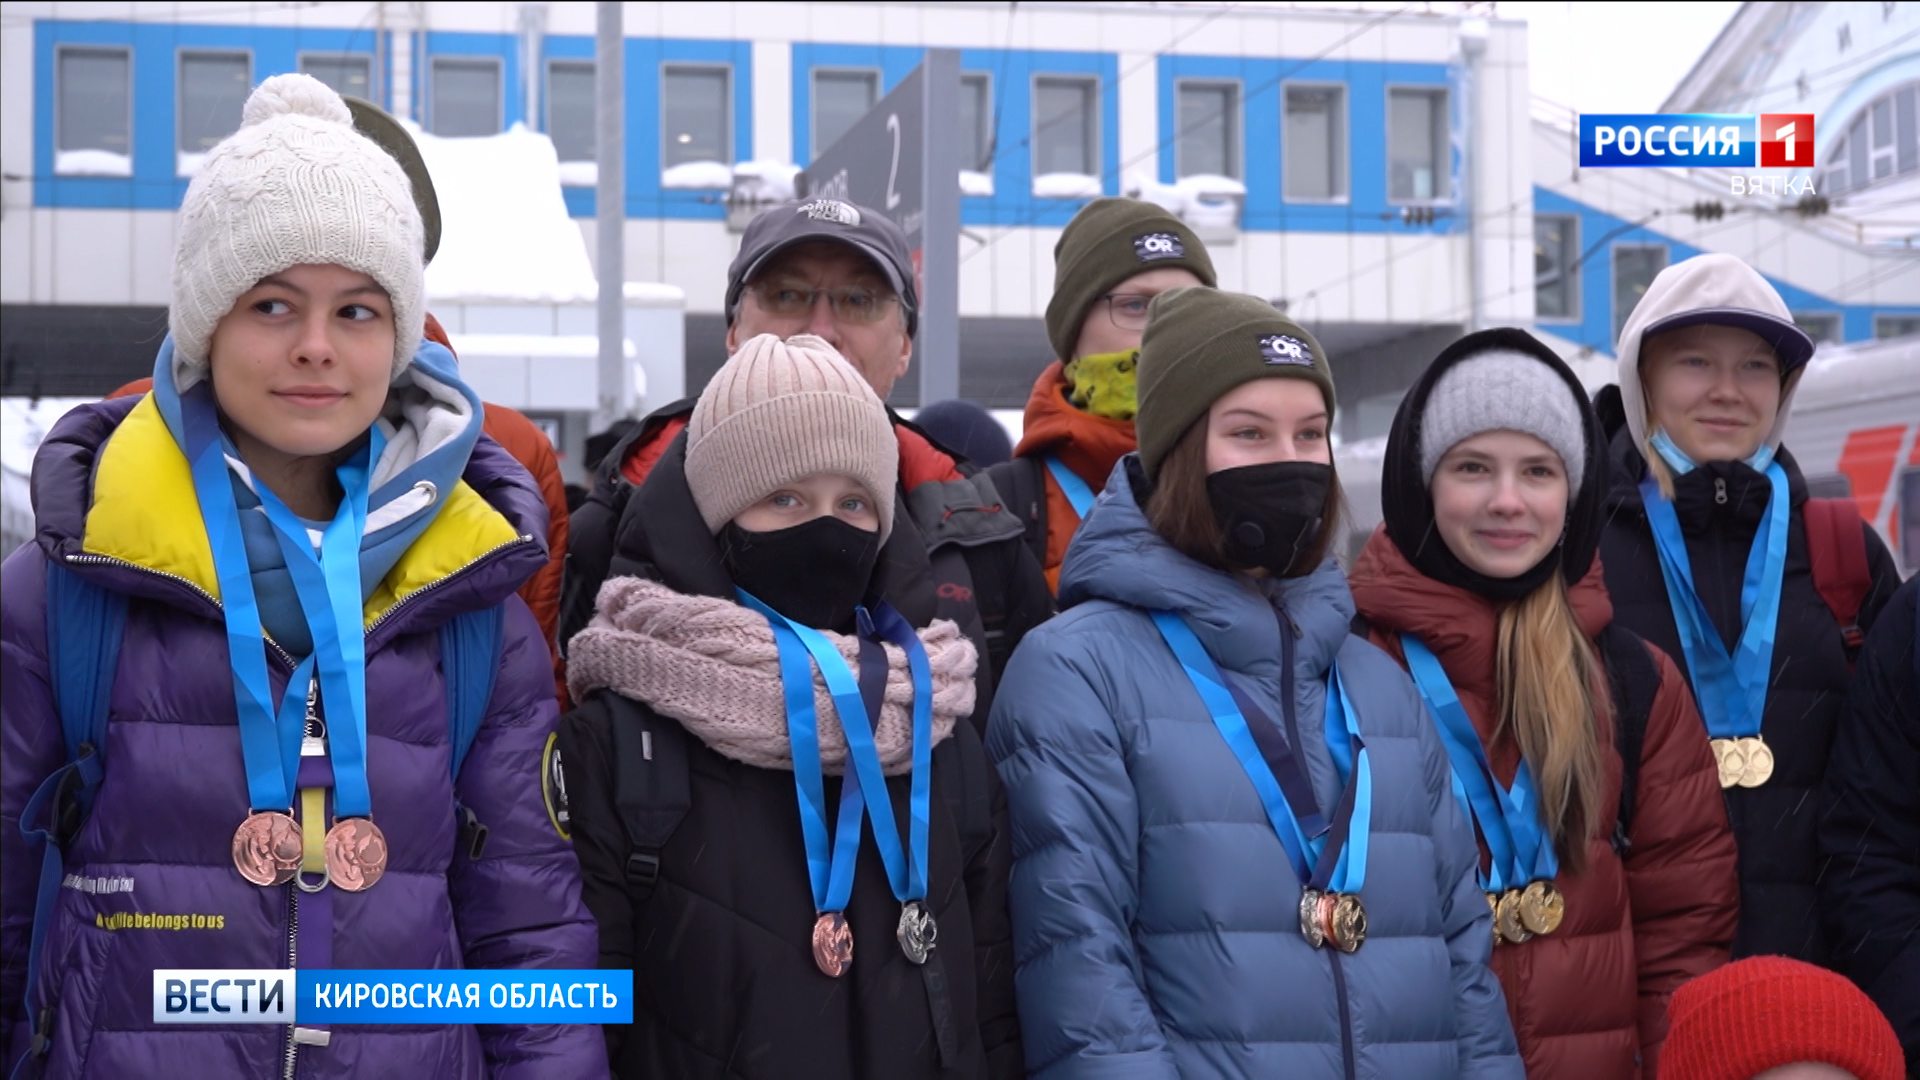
x=265 y=666
x=766 y=677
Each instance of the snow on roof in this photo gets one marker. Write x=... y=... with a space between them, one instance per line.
x=505 y=233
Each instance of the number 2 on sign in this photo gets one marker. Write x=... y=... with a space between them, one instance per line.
x=893 y=172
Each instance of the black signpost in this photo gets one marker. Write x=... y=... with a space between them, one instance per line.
x=902 y=159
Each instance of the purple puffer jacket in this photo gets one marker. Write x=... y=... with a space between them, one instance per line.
x=159 y=838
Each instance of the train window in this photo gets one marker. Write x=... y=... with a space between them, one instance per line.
x=1830 y=486
x=213 y=88
x=94 y=112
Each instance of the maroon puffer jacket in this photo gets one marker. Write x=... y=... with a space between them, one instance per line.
x=1589 y=1000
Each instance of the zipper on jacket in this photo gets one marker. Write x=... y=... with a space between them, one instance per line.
x=293 y=954
x=437 y=582
x=108 y=560
x=1346 y=1013
x=1719 y=491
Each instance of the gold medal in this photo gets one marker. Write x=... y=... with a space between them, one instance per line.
x=266 y=848
x=832 y=944
x=1732 y=759
x=356 y=853
x=1507 y=918
x=1542 y=907
x=1310 y=918
x=1493 y=906
x=1759 y=763
x=1349 y=923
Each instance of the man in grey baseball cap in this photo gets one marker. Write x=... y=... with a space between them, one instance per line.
x=832 y=269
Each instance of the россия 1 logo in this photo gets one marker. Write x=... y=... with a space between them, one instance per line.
x=1667 y=140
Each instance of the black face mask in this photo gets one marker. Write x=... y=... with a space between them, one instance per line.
x=814 y=574
x=1269 y=513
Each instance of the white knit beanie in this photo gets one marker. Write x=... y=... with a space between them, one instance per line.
x=1502 y=390
x=779 y=411
x=296 y=185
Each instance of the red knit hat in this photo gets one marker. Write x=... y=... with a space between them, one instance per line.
x=1767 y=1011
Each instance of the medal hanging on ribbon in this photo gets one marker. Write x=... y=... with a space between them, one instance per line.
x=267 y=846
x=1731 y=688
x=830 y=865
x=1328 y=857
x=1521 y=865
x=906 y=869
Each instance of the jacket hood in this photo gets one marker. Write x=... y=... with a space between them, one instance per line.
x=110 y=478
x=1085 y=443
x=1720 y=290
x=1118 y=556
x=1407 y=505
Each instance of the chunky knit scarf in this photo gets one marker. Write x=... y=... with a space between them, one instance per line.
x=713 y=666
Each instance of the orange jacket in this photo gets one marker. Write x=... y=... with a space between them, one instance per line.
x=1087 y=444
x=1590 y=999
x=529 y=446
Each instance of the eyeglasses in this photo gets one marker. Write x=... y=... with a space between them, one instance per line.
x=851 y=303
x=1128 y=310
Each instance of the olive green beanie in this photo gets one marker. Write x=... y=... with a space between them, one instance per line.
x=1201 y=343
x=1107 y=242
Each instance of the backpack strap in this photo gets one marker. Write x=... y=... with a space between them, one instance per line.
x=470 y=647
x=652 y=789
x=1634 y=679
x=85 y=624
x=1837 y=548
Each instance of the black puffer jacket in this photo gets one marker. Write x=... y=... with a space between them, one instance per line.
x=1720 y=506
x=725 y=985
x=1872 y=828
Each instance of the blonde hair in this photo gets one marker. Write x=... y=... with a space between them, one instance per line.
x=1551 y=696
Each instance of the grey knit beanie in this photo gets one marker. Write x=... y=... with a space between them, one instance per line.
x=779 y=411
x=296 y=185
x=1502 y=390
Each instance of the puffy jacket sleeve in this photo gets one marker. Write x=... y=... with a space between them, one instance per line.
x=1681 y=864
x=1487 y=1048
x=518 y=905
x=1083 y=1009
x=1871 y=832
x=31 y=748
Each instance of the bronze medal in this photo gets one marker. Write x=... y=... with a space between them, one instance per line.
x=266 y=848
x=1507 y=919
x=1349 y=923
x=1759 y=763
x=1732 y=758
x=917 y=932
x=1542 y=907
x=1323 y=917
x=832 y=944
x=356 y=853
x=1310 y=918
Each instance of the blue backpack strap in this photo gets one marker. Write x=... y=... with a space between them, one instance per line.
x=84 y=627
x=470 y=647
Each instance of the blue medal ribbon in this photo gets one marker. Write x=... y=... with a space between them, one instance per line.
x=269 y=737
x=1076 y=490
x=829 y=868
x=1508 y=819
x=1731 y=688
x=1324 y=858
x=328 y=584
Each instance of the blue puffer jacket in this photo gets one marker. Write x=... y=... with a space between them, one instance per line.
x=1154 y=909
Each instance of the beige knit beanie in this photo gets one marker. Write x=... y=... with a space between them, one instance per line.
x=296 y=185
x=779 y=411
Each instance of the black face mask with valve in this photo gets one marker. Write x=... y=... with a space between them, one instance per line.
x=814 y=573
x=1270 y=514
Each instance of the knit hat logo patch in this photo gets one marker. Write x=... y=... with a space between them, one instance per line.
x=1285 y=349
x=1149 y=247
x=833 y=210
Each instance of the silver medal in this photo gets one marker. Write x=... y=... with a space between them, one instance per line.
x=917 y=931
